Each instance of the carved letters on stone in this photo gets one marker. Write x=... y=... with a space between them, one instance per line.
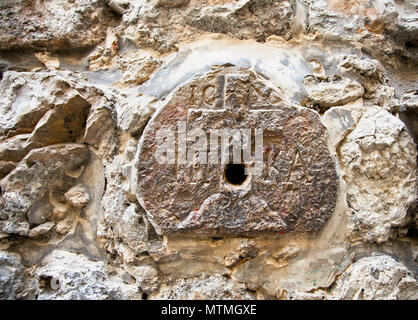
x=296 y=189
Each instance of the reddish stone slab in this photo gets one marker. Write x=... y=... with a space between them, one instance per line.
x=296 y=190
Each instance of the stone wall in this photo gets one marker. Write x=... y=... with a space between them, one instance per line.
x=87 y=213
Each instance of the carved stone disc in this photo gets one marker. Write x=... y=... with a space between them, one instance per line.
x=296 y=189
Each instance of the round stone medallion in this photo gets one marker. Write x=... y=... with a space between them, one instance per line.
x=230 y=155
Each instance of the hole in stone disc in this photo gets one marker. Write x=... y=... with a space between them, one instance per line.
x=235 y=173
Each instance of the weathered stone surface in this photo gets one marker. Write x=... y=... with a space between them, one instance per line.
x=408 y=108
x=48 y=60
x=95 y=73
x=376 y=278
x=99 y=124
x=214 y=287
x=247 y=249
x=41 y=229
x=371 y=75
x=12 y=150
x=340 y=121
x=298 y=186
x=384 y=28
x=283 y=66
x=52 y=24
x=135 y=113
x=172 y=3
x=41 y=102
x=12 y=277
x=146 y=277
x=6 y=167
x=138 y=68
x=409 y=101
x=123 y=225
x=78 y=196
x=161 y=26
x=65 y=123
x=69 y=276
x=328 y=92
x=378 y=159
x=300 y=295
x=32 y=179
